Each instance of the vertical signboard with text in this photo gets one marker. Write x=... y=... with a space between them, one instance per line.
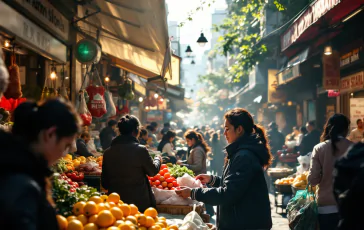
x=356 y=110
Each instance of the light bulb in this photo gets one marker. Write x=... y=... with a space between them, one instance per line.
x=162 y=99
x=53 y=75
x=7 y=43
x=156 y=95
x=140 y=99
x=107 y=79
x=147 y=107
x=328 y=50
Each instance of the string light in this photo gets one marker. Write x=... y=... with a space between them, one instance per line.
x=7 y=43
x=141 y=99
x=107 y=79
x=53 y=73
x=156 y=95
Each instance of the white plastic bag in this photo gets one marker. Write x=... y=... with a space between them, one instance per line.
x=188 y=181
x=305 y=161
x=177 y=200
x=162 y=195
x=193 y=222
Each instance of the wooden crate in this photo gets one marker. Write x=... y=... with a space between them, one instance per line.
x=179 y=209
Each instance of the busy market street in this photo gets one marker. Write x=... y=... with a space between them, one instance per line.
x=181 y=115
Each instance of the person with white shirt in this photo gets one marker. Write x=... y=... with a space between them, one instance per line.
x=356 y=135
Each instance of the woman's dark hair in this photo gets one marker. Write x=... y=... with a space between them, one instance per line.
x=303 y=130
x=150 y=128
x=169 y=134
x=30 y=118
x=143 y=132
x=337 y=125
x=191 y=134
x=128 y=125
x=215 y=138
x=241 y=117
x=111 y=123
x=85 y=134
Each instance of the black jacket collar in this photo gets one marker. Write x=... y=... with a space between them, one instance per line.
x=124 y=139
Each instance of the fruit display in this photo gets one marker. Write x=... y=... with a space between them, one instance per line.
x=90 y=168
x=179 y=171
x=75 y=176
x=66 y=193
x=279 y=172
x=164 y=179
x=110 y=213
x=285 y=181
x=300 y=181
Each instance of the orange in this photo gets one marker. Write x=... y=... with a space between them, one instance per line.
x=149 y=222
x=162 y=224
x=113 y=197
x=113 y=228
x=155 y=227
x=112 y=204
x=132 y=219
x=78 y=208
x=96 y=199
x=105 y=219
x=173 y=227
x=151 y=212
x=101 y=207
x=104 y=198
x=126 y=227
x=126 y=209
x=118 y=222
x=162 y=218
x=120 y=202
x=133 y=209
x=117 y=213
x=142 y=228
x=62 y=222
x=90 y=208
x=90 y=226
x=83 y=219
x=71 y=218
x=142 y=220
x=92 y=218
x=75 y=225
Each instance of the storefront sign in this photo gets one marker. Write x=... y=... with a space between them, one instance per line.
x=333 y=93
x=356 y=110
x=288 y=75
x=48 y=14
x=349 y=58
x=352 y=82
x=275 y=95
x=309 y=17
x=331 y=71
x=32 y=34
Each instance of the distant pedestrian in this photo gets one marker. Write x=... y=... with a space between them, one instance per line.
x=303 y=132
x=356 y=135
x=143 y=137
x=108 y=134
x=82 y=145
x=276 y=140
x=311 y=139
x=217 y=162
x=333 y=145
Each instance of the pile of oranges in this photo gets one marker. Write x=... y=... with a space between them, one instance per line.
x=110 y=213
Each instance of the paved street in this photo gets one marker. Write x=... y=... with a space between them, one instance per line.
x=279 y=222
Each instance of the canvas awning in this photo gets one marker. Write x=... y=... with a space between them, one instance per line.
x=134 y=32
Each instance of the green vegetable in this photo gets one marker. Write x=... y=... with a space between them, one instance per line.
x=60 y=166
x=179 y=171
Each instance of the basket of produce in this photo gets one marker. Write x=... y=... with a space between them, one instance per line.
x=179 y=209
x=284 y=185
x=300 y=183
x=279 y=173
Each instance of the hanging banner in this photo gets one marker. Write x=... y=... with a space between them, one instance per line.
x=331 y=73
x=275 y=95
x=352 y=82
x=356 y=110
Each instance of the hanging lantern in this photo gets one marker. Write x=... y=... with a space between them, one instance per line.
x=188 y=51
x=202 y=40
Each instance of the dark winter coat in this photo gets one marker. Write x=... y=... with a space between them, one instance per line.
x=241 y=194
x=82 y=148
x=349 y=188
x=276 y=140
x=309 y=141
x=125 y=167
x=23 y=202
x=106 y=137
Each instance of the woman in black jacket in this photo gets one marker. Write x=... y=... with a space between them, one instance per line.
x=241 y=194
x=126 y=165
x=40 y=136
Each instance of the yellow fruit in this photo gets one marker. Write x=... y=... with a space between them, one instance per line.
x=133 y=209
x=160 y=224
x=104 y=198
x=102 y=206
x=142 y=219
x=90 y=226
x=149 y=222
x=83 y=219
x=120 y=202
x=62 y=222
x=75 y=225
x=92 y=218
x=117 y=213
x=173 y=227
x=142 y=228
x=155 y=227
x=78 y=208
x=112 y=204
x=162 y=218
x=113 y=228
x=132 y=219
x=90 y=208
x=105 y=219
x=126 y=227
x=71 y=218
x=126 y=209
x=96 y=199
x=113 y=197
x=151 y=212
x=118 y=222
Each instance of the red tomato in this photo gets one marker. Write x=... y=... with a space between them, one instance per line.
x=170 y=185
x=164 y=184
x=173 y=178
x=164 y=166
x=150 y=182
x=156 y=177
x=161 y=179
x=161 y=173
x=165 y=170
x=70 y=182
x=167 y=175
x=169 y=180
x=157 y=182
x=172 y=188
x=72 y=190
x=175 y=184
x=160 y=187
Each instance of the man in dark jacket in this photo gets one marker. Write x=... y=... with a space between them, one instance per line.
x=82 y=145
x=125 y=166
x=108 y=134
x=311 y=139
x=276 y=138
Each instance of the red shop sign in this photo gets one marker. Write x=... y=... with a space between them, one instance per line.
x=315 y=11
x=352 y=82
